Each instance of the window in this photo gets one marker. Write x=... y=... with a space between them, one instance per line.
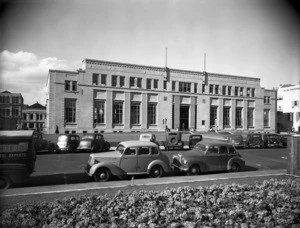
x=213 y=115
x=118 y=112
x=24 y=116
x=184 y=87
x=173 y=85
x=241 y=91
x=130 y=151
x=203 y=88
x=223 y=150
x=67 y=85
x=95 y=79
x=223 y=90
x=103 y=79
x=122 y=81
x=70 y=85
x=135 y=113
x=238 y=117
x=155 y=86
x=152 y=113
x=74 y=86
x=211 y=89
x=229 y=91
x=226 y=116
x=99 y=111
x=195 y=88
x=165 y=84
x=139 y=82
x=114 y=79
x=154 y=150
x=216 y=89
x=266 y=118
x=266 y=99
x=236 y=91
x=250 y=117
x=248 y=92
x=31 y=116
x=70 y=110
x=144 y=151
x=132 y=81
x=149 y=83
x=253 y=92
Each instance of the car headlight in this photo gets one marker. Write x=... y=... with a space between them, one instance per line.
x=184 y=161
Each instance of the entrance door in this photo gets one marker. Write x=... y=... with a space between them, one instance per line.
x=184 y=117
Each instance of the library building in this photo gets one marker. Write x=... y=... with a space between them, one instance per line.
x=106 y=96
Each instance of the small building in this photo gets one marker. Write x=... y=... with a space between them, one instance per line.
x=288 y=108
x=34 y=117
x=107 y=96
x=11 y=105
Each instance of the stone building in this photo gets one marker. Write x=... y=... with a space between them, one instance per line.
x=34 y=117
x=107 y=96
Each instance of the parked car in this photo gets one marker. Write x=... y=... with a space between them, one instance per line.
x=284 y=139
x=208 y=156
x=194 y=139
x=129 y=158
x=93 y=142
x=173 y=140
x=148 y=137
x=67 y=143
x=41 y=144
x=272 y=140
x=236 y=140
x=253 y=140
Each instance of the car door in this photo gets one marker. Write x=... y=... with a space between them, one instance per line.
x=128 y=162
x=224 y=156
x=212 y=158
x=143 y=159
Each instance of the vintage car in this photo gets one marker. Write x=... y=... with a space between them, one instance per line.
x=67 y=143
x=173 y=140
x=272 y=140
x=43 y=145
x=208 y=156
x=253 y=140
x=17 y=156
x=129 y=158
x=236 y=140
x=148 y=137
x=194 y=139
x=93 y=142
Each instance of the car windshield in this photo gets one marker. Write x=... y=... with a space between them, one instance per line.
x=62 y=138
x=201 y=147
x=256 y=136
x=274 y=136
x=196 y=137
x=120 y=148
x=87 y=137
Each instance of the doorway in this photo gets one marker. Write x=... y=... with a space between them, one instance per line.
x=184 y=117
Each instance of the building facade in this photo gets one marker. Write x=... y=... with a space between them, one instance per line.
x=11 y=105
x=34 y=117
x=118 y=97
x=289 y=107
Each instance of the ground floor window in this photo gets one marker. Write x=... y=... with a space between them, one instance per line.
x=226 y=116
x=213 y=115
x=118 y=112
x=99 y=111
x=266 y=118
x=152 y=113
x=135 y=113
x=239 y=117
x=250 y=117
x=70 y=110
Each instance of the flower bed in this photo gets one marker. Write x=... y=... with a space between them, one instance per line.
x=273 y=203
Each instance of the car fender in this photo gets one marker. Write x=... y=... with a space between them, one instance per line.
x=201 y=164
x=235 y=160
x=165 y=166
x=115 y=170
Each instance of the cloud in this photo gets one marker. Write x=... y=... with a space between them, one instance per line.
x=26 y=73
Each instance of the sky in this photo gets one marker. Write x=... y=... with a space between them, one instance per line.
x=251 y=38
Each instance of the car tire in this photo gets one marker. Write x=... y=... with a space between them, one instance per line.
x=102 y=175
x=194 y=170
x=173 y=140
x=156 y=171
x=235 y=167
x=5 y=182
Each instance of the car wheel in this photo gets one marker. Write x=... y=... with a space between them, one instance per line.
x=194 y=170
x=102 y=175
x=156 y=171
x=4 y=182
x=235 y=167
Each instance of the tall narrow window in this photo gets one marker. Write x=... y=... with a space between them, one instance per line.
x=132 y=82
x=253 y=92
x=226 y=116
x=149 y=83
x=224 y=90
x=118 y=112
x=248 y=92
x=114 y=79
x=213 y=115
x=103 y=79
x=67 y=85
x=70 y=110
x=122 y=81
x=238 y=117
x=250 y=117
x=203 y=88
x=135 y=113
x=229 y=91
x=165 y=84
x=99 y=111
x=74 y=86
x=95 y=79
x=173 y=85
x=216 y=89
x=155 y=84
x=152 y=113
x=139 y=82
x=195 y=88
x=236 y=91
x=266 y=118
x=211 y=89
x=241 y=91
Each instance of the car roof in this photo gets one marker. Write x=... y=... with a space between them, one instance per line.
x=137 y=143
x=214 y=143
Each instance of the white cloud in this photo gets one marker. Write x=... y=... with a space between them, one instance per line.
x=26 y=73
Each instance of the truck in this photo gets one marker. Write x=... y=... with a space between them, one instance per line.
x=17 y=156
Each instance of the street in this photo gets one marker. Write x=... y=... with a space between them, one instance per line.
x=53 y=169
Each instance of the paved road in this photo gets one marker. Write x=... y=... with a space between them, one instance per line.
x=55 y=169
